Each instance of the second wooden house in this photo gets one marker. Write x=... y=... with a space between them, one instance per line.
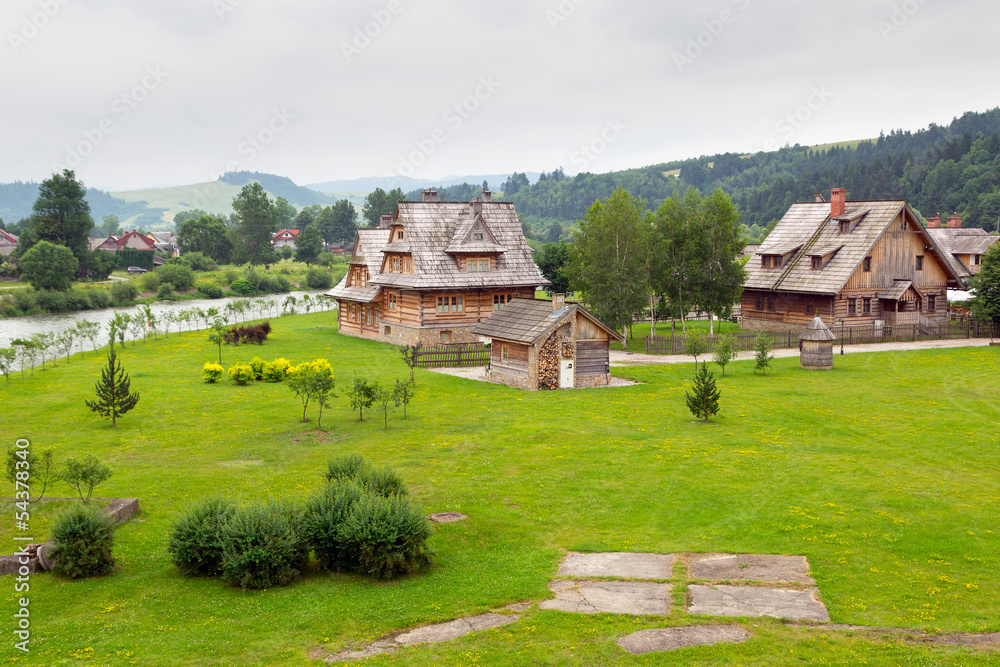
x=434 y=270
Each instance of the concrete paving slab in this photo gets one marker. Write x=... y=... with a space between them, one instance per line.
x=611 y=597
x=750 y=567
x=797 y=605
x=442 y=632
x=671 y=639
x=618 y=565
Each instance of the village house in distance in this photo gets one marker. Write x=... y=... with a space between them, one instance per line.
x=865 y=262
x=434 y=270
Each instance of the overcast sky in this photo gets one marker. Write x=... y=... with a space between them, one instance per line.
x=158 y=92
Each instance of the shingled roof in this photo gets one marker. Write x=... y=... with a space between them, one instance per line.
x=962 y=241
x=528 y=321
x=438 y=233
x=367 y=252
x=810 y=227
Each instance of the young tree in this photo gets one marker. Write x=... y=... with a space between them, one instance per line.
x=48 y=266
x=299 y=380
x=138 y=328
x=609 y=259
x=409 y=354
x=695 y=345
x=725 y=351
x=43 y=343
x=218 y=334
x=762 y=353
x=88 y=330
x=114 y=396
x=256 y=222
x=40 y=468
x=27 y=352
x=7 y=357
x=65 y=340
x=704 y=402
x=85 y=475
x=119 y=325
x=150 y=321
x=361 y=395
x=309 y=245
x=323 y=388
x=385 y=399
x=404 y=394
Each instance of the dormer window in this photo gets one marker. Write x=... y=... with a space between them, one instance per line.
x=845 y=226
x=399 y=235
x=407 y=265
x=477 y=265
x=478 y=236
x=817 y=263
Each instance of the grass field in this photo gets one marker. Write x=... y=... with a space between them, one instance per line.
x=882 y=473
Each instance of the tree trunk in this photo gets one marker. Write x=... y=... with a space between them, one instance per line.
x=711 y=324
x=652 y=314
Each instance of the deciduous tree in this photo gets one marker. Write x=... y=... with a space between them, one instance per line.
x=380 y=203
x=48 y=266
x=256 y=221
x=986 y=287
x=309 y=245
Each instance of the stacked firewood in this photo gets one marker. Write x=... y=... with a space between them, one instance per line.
x=567 y=349
x=548 y=363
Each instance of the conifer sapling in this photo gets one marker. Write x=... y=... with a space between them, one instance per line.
x=704 y=402
x=114 y=396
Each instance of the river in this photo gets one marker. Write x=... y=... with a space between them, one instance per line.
x=24 y=327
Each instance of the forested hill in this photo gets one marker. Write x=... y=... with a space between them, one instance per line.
x=939 y=169
x=280 y=186
x=18 y=198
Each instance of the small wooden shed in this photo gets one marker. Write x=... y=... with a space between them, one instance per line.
x=816 y=346
x=540 y=344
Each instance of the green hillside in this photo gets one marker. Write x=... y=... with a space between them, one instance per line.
x=214 y=197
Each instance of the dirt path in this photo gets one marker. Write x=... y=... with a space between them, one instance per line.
x=622 y=358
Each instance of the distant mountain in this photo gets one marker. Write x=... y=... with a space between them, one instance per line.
x=17 y=200
x=369 y=184
x=280 y=186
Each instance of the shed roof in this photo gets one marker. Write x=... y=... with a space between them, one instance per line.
x=531 y=320
x=896 y=291
x=817 y=331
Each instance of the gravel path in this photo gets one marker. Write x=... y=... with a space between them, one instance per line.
x=622 y=358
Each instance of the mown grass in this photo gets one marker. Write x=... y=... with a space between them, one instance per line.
x=881 y=472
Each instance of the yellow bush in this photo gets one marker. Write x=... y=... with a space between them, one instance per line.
x=212 y=372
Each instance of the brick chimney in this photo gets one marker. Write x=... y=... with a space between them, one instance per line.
x=385 y=222
x=430 y=196
x=558 y=302
x=487 y=195
x=954 y=222
x=935 y=222
x=838 y=202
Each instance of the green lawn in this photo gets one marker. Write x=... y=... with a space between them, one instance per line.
x=882 y=473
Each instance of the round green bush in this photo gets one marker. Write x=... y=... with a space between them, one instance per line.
x=275 y=371
x=317 y=278
x=381 y=481
x=99 y=298
x=77 y=300
x=384 y=537
x=210 y=290
x=150 y=282
x=257 y=364
x=200 y=261
x=212 y=372
x=82 y=542
x=323 y=518
x=196 y=538
x=261 y=547
x=241 y=374
x=345 y=466
x=282 y=284
x=178 y=275
x=51 y=300
x=124 y=292
x=243 y=287
x=166 y=292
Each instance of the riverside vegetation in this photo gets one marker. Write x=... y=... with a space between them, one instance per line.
x=881 y=472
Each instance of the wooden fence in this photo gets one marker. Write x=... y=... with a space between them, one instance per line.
x=744 y=340
x=471 y=354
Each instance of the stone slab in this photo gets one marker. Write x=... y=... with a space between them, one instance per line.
x=671 y=639
x=797 y=605
x=611 y=597
x=617 y=565
x=750 y=567
x=443 y=632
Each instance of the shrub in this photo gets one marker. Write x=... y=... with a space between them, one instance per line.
x=256 y=334
x=166 y=292
x=77 y=300
x=261 y=547
x=50 y=300
x=276 y=370
x=284 y=284
x=243 y=287
x=212 y=372
x=229 y=276
x=345 y=466
x=200 y=261
x=124 y=292
x=241 y=374
x=196 y=538
x=83 y=540
x=385 y=536
x=325 y=258
x=25 y=299
x=257 y=364
x=210 y=290
x=178 y=275
x=99 y=298
x=323 y=518
x=317 y=278
x=286 y=253
x=381 y=481
x=150 y=282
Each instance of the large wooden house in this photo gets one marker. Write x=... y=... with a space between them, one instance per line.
x=964 y=247
x=864 y=262
x=433 y=270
